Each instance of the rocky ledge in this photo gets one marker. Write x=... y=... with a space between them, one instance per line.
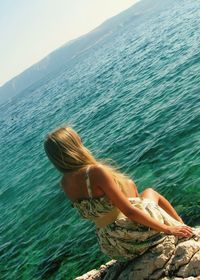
x=172 y=259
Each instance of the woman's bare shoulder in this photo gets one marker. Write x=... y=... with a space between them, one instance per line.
x=98 y=172
x=97 y=168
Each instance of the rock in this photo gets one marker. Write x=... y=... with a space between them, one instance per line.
x=175 y=258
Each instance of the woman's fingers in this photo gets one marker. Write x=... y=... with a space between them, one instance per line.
x=182 y=231
x=187 y=231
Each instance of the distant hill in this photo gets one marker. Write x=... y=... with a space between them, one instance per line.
x=67 y=55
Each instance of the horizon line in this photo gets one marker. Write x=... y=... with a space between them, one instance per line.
x=70 y=40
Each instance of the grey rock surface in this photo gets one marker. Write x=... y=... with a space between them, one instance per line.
x=173 y=259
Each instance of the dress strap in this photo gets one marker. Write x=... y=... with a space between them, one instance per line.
x=89 y=189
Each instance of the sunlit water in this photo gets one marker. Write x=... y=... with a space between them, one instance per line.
x=135 y=99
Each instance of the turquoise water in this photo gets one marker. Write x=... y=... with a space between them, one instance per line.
x=135 y=99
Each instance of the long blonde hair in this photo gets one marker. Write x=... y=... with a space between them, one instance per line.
x=66 y=151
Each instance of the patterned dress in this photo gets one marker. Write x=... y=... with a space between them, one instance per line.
x=123 y=239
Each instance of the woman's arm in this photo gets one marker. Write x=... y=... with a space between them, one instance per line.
x=133 y=185
x=103 y=179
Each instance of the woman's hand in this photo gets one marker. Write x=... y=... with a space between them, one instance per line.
x=180 y=231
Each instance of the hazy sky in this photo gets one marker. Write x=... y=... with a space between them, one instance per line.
x=31 y=29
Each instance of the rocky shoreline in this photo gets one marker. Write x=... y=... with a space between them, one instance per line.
x=172 y=259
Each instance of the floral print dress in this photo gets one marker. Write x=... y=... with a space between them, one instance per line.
x=124 y=239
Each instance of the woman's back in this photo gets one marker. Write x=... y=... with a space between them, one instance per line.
x=76 y=188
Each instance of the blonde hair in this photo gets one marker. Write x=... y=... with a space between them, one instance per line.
x=66 y=151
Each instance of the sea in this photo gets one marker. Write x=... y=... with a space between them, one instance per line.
x=135 y=99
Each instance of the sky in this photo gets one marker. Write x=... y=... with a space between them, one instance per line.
x=31 y=29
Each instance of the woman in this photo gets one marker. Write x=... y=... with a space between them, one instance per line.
x=127 y=223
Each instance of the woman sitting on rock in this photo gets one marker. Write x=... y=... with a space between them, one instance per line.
x=127 y=223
